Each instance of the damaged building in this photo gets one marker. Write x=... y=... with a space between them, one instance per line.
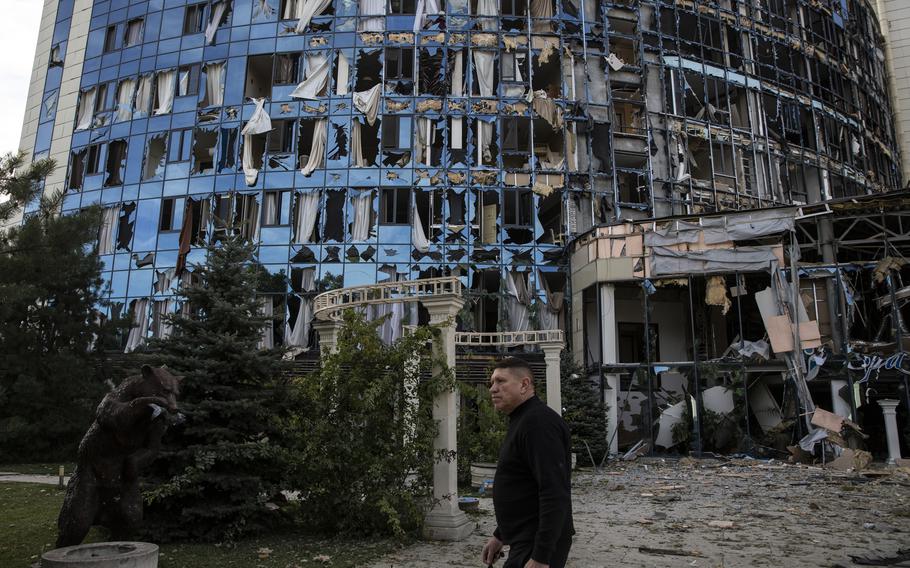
x=699 y=193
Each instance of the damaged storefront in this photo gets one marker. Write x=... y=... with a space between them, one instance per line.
x=776 y=332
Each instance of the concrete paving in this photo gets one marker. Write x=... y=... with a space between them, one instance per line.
x=695 y=514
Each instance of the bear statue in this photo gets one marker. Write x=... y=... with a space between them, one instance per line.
x=123 y=439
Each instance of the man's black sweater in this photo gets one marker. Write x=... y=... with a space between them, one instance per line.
x=532 y=487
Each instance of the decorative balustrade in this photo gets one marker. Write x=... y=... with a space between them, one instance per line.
x=509 y=338
x=330 y=305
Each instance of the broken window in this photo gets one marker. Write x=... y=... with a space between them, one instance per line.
x=514 y=69
x=515 y=142
x=485 y=293
x=312 y=147
x=396 y=140
x=399 y=69
x=363 y=216
x=394 y=205
x=143 y=95
x=428 y=209
x=165 y=85
x=275 y=208
x=194 y=19
x=116 y=160
x=93 y=159
x=402 y=7
x=171 y=214
x=188 y=84
x=227 y=156
x=518 y=205
x=133 y=34
x=154 y=156
x=125 y=92
x=258 y=77
x=485 y=226
x=549 y=215
x=204 y=143
x=287 y=68
x=110 y=39
x=77 y=168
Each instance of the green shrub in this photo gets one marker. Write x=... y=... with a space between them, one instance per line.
x=365 y=432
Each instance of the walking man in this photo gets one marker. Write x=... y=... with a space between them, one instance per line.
x=532 y=488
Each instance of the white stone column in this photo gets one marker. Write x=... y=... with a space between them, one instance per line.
x=889 y=413
x=328 y=335
x=610 y=354
x=445 y=521
x=551 y=353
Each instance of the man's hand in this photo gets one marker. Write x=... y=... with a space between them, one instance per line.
x=535 y=564
x=491 y=551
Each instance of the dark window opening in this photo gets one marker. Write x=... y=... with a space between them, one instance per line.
x=170 y=210
x=518 y=205
x=194 y=19
x=287 y=69
x=116 y=158
x=394 y=205
x=110 y=39
x=93 y=161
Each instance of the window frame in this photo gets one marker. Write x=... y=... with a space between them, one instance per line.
x=198 y=11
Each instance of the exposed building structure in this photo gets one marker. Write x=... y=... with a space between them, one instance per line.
x=575 y=163
x=894 y=16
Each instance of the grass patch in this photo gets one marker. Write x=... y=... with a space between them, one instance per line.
x=28 y=527
x=37 y=468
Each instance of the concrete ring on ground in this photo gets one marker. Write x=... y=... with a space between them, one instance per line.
x=103 y=555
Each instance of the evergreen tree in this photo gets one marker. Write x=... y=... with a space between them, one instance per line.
x=221 y=470
x=50 y=329
x=585 y=413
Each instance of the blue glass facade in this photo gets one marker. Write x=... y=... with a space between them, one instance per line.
x=496 y=132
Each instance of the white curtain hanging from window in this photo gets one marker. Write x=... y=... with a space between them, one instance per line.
x=457 y=90
x=424 y=8
x=483 y=66
x=298 y=336
x=250 y=171
x=161 y=327
x=517 y=301
x=368 y=101
x=357 y=158
x=140 y=328
x=263 y=10
x=109 y=221
x=485 y=133
x=305 y=219
x=144 y=94
x=488 y=10
x=270 y=208
x=363 y=209
x=214 y=84
x=549 y=312
x=133 y=33
x=290 y=10
x=167 y=81
x=344 y=71
x=418 y=235
x=426 y=137
x=268 y=329
x=259 y=123
x=372 y=8
x=541 y=9
x=306 y=9
x=317 y=148
x=317 y=77
x=218 y=11
x=86 y=109
x=125 y=100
